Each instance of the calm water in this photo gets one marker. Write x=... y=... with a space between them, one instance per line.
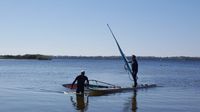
x=36 y=86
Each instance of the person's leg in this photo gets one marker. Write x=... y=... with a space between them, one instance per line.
x=78 y=90
x=135 y=82
x=82 y=90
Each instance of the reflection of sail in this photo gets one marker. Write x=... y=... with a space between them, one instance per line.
x=132 y=104
x=81 y=103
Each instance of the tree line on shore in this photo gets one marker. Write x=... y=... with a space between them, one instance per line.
x=27 y=56
x=49 y=57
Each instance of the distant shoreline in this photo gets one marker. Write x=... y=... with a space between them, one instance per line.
x=27 y=56
x=50 y=57
x=128 y=57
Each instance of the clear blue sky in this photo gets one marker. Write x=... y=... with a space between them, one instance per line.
x=78 y=27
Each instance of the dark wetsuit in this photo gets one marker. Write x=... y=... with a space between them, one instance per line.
x=80 y=83
x=134 y=66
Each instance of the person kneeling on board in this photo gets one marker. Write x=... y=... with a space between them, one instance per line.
x=80 y=82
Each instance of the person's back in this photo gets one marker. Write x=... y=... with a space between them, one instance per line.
x=135 y=66
x=81 y=82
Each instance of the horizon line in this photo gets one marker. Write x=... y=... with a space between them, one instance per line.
x=98 y=55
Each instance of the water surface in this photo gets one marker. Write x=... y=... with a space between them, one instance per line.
x=32 y=85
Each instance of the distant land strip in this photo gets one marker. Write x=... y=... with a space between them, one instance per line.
x=128 y=57
x=27 y=56
x=50 y=57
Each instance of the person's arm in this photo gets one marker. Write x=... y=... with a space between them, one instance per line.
x=87 y=81
x=73 y=83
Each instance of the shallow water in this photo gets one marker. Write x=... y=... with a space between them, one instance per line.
x=32 y=85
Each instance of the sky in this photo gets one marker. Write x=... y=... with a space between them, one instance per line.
x=78 y=27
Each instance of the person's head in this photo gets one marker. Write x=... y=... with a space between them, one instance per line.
x=133 y=57
x=82 y=72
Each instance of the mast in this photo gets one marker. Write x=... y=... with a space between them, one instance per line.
x=121 y=52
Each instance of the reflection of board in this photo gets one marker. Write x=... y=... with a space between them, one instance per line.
x=103 y=91
x=73 y=92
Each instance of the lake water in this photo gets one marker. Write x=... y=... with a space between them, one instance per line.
x=36 y=86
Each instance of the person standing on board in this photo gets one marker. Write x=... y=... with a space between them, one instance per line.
x=134 y=66
x=80 y=82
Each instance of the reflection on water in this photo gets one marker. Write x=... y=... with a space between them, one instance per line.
x=131 y=104
x=81 y=102
x=134 y=101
